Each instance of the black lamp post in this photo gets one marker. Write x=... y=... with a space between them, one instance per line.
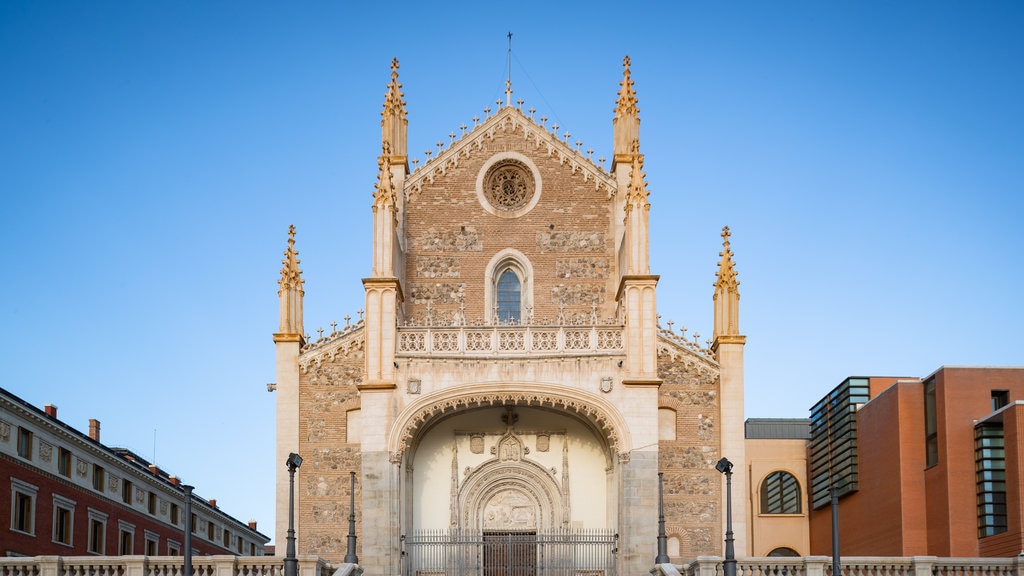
x=187 y=569
x=291 y=563
x=729 y=565
x=350 y=553
x=662 y=557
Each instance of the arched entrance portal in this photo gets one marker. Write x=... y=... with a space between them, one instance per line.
x=508 y=485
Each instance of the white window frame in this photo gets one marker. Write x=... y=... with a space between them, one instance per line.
x=31 y=491
x=67 y=504
x=101 y=517
x=152 y=538
x=122 y=529
x=173 y=547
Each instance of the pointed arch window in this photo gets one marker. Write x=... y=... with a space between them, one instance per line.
x=508 y=288
x=509 y=298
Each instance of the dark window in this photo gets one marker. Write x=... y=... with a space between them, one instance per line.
x=126 y=491
x=931 y=429
x=780 y=494
x=98 y=475
x=151 y=547
x=126 y=542
x=174 y=514
x=97 y=543
x=1000 y=398
x=152 y=503
x=24 y=511
x=209 y=531
x=227 y=539
x=64 y=462
x=195 y=524
x=24 y=443
x=62 y=523
x=508 y=298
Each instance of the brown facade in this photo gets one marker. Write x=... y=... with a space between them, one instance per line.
x=906 y=506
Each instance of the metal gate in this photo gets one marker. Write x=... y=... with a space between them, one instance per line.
x=482 y=553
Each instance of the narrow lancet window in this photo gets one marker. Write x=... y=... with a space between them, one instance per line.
x=509 y=298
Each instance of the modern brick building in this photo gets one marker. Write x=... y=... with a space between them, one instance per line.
x=70 y=495
x=508 y=377
x=929 y=466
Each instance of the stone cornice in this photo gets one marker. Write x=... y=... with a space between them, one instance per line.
x=636 y=279
x=384 y=284
x=728 y=339
x=279 y=338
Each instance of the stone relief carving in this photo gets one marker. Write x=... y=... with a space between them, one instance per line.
x=543 y=442
x=140 y=495
x=510 y=510
x=414 y=386
x=5 y=431
x=82 y=468
x=114 y=482
x=45 y=451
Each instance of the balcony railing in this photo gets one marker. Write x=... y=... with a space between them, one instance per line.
x=851 y=566
x=168 y=566
x=509 y=340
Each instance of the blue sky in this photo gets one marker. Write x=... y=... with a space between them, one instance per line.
x=868 y=157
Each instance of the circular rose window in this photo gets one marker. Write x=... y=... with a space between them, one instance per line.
x=508 y=185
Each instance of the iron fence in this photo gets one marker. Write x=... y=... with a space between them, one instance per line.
x=459 y=552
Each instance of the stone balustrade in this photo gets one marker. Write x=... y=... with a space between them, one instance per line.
x=225 y=565
x=509 y=340
x=851 y=566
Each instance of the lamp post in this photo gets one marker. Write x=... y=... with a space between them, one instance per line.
x=187 y=568
x=350 y=553
x=291 y=567
x=729 y=565
x=662 y=557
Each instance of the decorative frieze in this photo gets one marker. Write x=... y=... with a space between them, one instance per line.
x=438 y=267
x=571 y=241
x=582 y=268
x=464 y=240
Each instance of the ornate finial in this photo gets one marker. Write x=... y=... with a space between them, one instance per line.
x=394 y=123
x=637 y=193
x=291 y=275
x=385 y=193
x=726 y=267
x=508 y=80
x=627 y=117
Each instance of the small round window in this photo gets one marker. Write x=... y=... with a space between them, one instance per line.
x=508 y=185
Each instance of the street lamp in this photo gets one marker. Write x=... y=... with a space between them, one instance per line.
x=291 y=567
x=662 y=557
x=729 y=565
x=350 y=554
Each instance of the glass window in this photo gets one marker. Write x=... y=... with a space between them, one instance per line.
x=174 y=514
x=126 y=491
x=931 y=434
x=780 y=494
x=97 y=532
x=1000 y=398
x=64 y=462
x=98 y=475
x=152 y=503
x=126 y=542
x=24 y=443
x=23 y=506
x=990 y=478
x=209 y=531
x=509 y=298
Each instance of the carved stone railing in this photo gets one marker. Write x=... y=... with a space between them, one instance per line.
x=509 y=340
x=168 y=566
x=851 y=566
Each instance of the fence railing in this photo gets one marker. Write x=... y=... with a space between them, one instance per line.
x=851 y=566
x=475 y=553
x=486 y=340
x=162 y=566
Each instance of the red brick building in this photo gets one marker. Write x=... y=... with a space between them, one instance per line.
x=72 y=496
x=927 y=466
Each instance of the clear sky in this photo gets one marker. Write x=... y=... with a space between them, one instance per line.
x=868 y=157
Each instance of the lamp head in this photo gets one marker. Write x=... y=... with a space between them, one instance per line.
x=724 y=466
x=294 y=461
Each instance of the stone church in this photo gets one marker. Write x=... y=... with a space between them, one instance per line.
x=507 y=393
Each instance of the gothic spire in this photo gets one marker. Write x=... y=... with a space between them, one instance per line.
x=637 y=193
x=384 y=212
x=626 y=123
x=394 y=124
x=290 y=289
x=637 y=208
x=727 y=295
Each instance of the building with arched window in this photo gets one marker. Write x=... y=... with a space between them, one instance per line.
x=508 y=385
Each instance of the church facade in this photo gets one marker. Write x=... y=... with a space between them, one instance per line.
x=508 y=376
